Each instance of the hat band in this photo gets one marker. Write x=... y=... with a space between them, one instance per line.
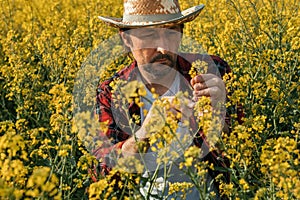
x=150 y=18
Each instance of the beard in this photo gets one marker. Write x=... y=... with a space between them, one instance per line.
x=159 y=66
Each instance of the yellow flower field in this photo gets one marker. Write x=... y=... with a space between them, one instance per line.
x=43 y=44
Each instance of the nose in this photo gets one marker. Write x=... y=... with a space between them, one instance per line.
x=162 y=50
x=163 y=44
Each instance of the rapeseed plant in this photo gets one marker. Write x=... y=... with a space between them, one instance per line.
x=45 y=149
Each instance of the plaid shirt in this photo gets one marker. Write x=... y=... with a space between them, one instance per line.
x=115 y=136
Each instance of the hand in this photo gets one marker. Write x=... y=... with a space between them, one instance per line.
x=156 y=117
x=208 y=85
x=184 y=106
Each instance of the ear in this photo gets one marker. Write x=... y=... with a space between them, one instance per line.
x=126 y=39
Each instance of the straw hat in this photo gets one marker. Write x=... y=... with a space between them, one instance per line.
x=142 y=13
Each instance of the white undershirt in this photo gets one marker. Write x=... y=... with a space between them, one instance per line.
x=176 y=175
x=148 y=99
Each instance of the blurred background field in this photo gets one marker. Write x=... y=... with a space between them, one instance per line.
x=44 y=43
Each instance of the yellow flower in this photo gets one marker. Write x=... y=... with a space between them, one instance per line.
x=43 y=48
x=198 y=67
x=244 y=184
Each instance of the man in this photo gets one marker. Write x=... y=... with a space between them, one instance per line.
x=152 y=31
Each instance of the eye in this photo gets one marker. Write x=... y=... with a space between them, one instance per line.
x=148 y=34
x=172 y=35
x=174 y=32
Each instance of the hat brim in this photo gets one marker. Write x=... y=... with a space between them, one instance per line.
x=186 y=16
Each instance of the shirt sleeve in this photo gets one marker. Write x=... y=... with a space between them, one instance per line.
x=111 y=137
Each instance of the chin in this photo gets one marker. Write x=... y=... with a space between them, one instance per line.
x=162 y=72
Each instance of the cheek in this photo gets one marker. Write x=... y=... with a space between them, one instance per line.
x=141 y=56
x=174 y=45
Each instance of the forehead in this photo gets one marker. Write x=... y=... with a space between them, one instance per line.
x=170 y=28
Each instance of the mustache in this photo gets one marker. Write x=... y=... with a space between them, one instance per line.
x=161 y=56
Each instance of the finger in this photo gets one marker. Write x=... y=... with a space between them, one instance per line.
x=215 y=81
x=213 y=87
x=199 y=86
x=208 y=79
x=184 y=104
x=185 y=108
x=185 y=113
x=197 y=79
x=202 y=78
x=214 y=91
x=199 y=93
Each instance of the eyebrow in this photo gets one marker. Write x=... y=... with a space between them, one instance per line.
x=173 y=27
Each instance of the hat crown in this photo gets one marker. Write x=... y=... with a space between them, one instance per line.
x=146 y=13
x=151 y=7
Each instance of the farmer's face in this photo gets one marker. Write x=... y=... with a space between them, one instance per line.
x=154 y=49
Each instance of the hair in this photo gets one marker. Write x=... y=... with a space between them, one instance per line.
x=126 y=48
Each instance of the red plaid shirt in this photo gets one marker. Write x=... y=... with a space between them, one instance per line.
x=115 y=136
